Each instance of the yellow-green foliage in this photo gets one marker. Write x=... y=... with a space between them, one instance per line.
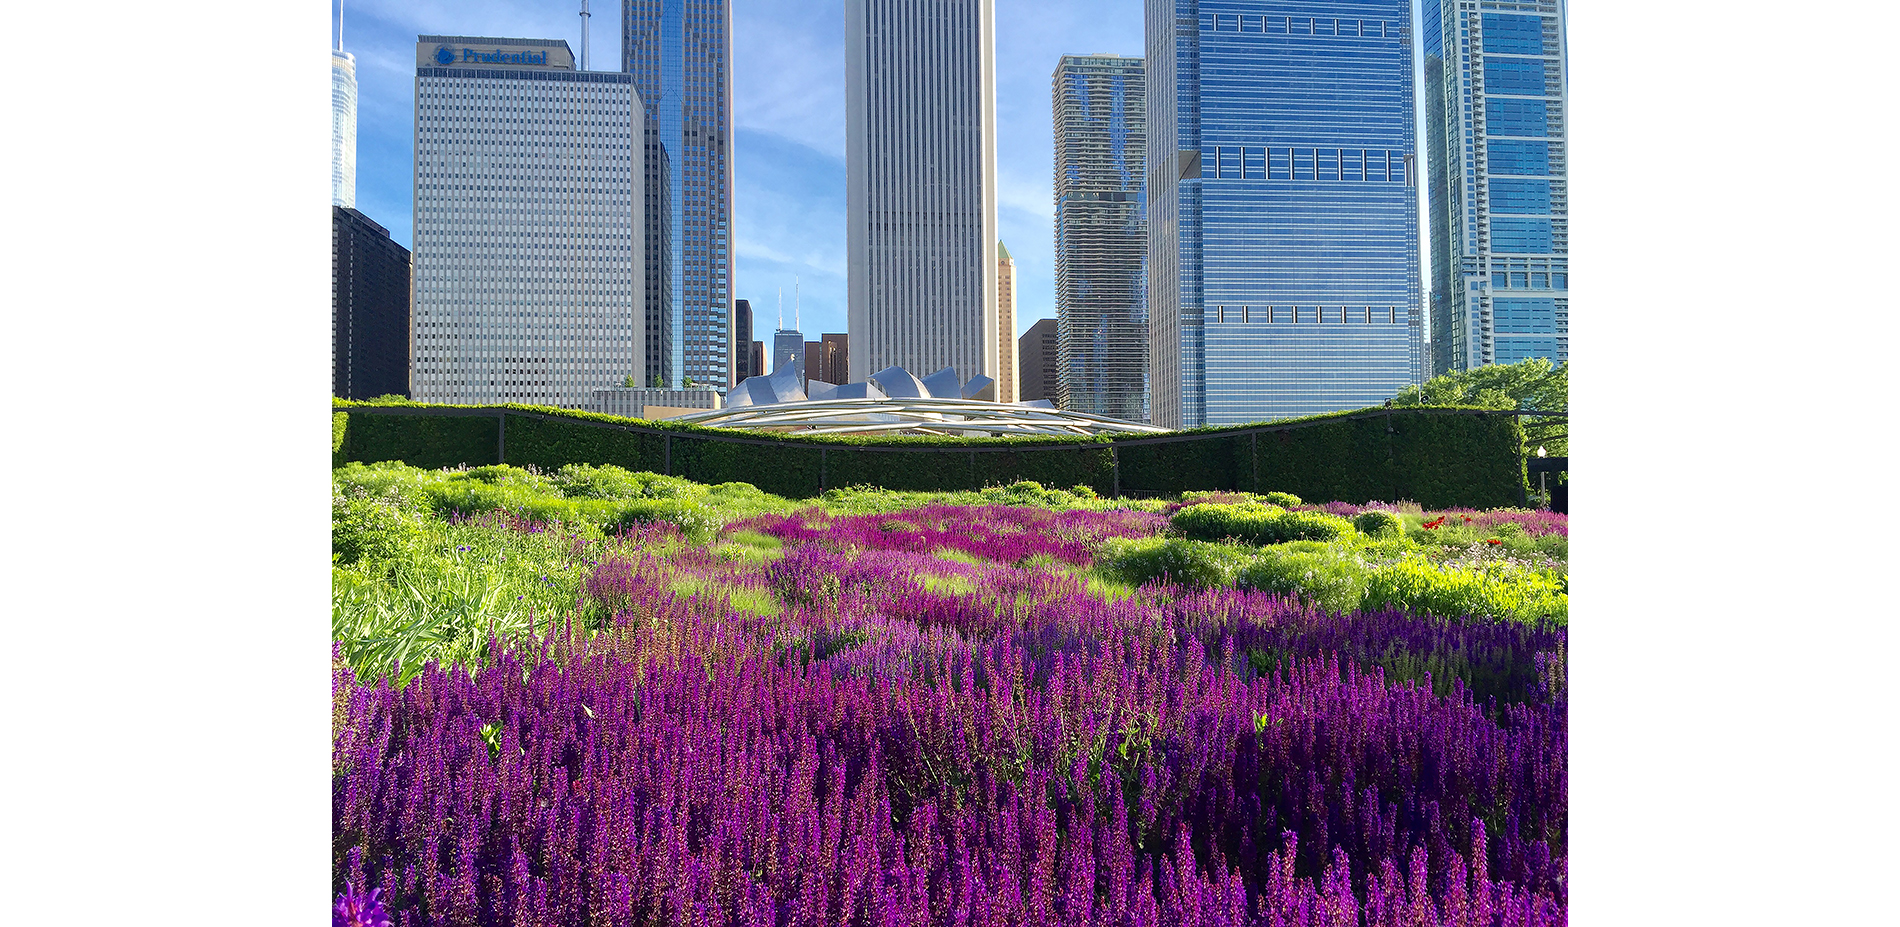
x=607 y=497
x=1456 y=590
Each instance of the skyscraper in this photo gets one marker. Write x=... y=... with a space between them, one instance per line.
x=1282 y=206
x=1037 y=358
x=920 y=180
x=788 y=349
x=1101 y=140
x=528 y=250
x=679 y=54
x=742 y=338
x=342 y=128
x=1005 y=325
x=369 y=308
x=1496 y=136
x=828 y=360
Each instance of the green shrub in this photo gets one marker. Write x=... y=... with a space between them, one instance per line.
x=1194 y=564
x=372 y=528
x=1214 y=521
x=1439 y=457
x=1378 y=524
x=1282 y=499
x=1254 y=523
x=1331 y=576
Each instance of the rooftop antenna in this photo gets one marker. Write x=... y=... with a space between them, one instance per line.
x=586 y=19
x=797 y=321
x=781 y=308
x=339 y=25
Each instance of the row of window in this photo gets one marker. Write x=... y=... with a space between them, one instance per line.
x=1364 y=315
x=1525 y=280
x=1517 y=156
x=1521 y=76
x=1262 y=24
x=1517 y=117
x=1508 y=34
x=566 y=77
x=1521 y=235
x=1350 y=164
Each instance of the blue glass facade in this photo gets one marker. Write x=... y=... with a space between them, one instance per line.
x=679 y=54
x=1496 y=140
x=1284 y=253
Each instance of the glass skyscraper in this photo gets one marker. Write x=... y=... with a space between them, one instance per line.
x=527 y=234
x=1101 y=141
x=1282 y=206
x=342 y=129
x=679 y=53
x=1497 y=136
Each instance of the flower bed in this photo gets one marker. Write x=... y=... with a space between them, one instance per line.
x=937 y=714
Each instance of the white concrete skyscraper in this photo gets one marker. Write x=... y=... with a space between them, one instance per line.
x=342 y=128
x=528 y=247
x=920 y=168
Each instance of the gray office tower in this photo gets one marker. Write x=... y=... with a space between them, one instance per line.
x=1101 y=225
x=1283 y=258
x=742 y=341
x=527 y=236
x=679 y=53
x=920 y=182
x=1496 y=136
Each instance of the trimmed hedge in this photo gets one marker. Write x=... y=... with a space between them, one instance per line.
x=1436 y=457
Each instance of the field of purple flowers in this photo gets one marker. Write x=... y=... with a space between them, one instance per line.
x=946 y=714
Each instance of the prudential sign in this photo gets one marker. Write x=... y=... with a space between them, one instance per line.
x=445 y=55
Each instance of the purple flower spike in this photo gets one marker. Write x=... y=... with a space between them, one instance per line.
x=354 y=910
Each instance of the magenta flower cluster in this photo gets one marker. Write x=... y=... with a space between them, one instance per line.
x=916 y=741
x=1007 y=534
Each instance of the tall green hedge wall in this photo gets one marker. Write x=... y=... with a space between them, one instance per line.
x=1436 y=457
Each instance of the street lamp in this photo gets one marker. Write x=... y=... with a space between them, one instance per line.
x=1542 y=475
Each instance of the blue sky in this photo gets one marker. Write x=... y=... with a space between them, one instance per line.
x=788 y=89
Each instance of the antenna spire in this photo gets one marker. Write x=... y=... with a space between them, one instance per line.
x=339 y=25
x=797 y=319
x=781 y=308
x=586 y=20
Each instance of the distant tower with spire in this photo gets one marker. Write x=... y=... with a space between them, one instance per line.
x=788 y=344
x=342 y=120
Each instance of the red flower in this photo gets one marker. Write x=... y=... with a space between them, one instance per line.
x=1493 y=541
x=1435 y=522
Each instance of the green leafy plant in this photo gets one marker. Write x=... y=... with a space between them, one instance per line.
x=1194 y=564
x=1376 y=523
x=1255 y=523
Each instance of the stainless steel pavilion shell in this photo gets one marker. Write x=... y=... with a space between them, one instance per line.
x=944 y=384
x=899 y=383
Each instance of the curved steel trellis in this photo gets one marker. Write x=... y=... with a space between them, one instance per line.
x=914 y=415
